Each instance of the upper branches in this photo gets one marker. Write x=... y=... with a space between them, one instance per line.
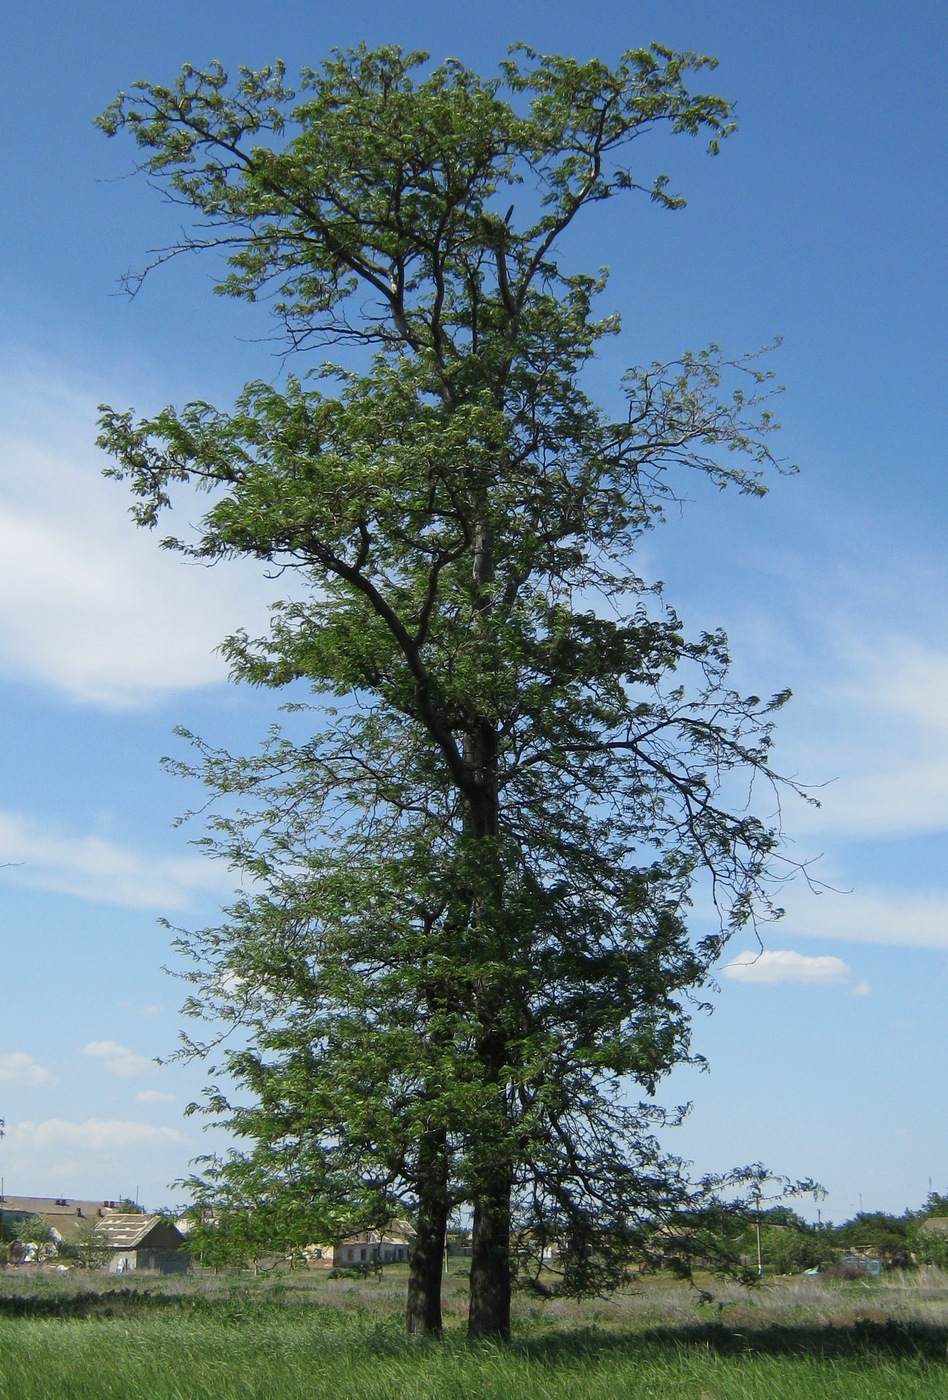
x=405 y=189
x=463 y=515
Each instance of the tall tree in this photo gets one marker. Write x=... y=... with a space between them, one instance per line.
x=464 y=935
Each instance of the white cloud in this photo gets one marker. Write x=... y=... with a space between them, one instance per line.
x=885 y=738
x=231 y=984
x=92 y=867
x=868 y=722
x=20 y=1068
x=782 y=965
x=155 y=1096
x=118 y=1059
x=93 y=1135
x=870 y=916
x=857 y=627
x=89 y=604
x=861 y=989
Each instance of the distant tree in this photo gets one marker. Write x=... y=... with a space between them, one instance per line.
x=88 y=1249
x=792 y=1246
x=887 y=1234
x=722 y=1235
x=35 y=1230
x=928 y=1246
x=935 y=1204
x=783 y=1215
x=463 y=938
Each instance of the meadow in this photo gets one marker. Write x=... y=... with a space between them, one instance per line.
x=80 y=1337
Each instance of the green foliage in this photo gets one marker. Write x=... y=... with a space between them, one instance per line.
x=463 y=933
x=887 y=1234
x=256 y=1224
x=929 y=1247
x=35 y=1230
x=87 y=1248
x=935 y=1204
x=792 y=1249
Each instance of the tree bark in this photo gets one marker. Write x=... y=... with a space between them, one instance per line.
x=489 y=1299
x=423 y=1309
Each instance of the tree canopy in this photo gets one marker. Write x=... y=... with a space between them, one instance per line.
x=463 y=934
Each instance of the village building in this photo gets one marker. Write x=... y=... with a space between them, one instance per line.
x=144 y=1242
x=67 y=1219
x=133 y=1240
x=368 y=1249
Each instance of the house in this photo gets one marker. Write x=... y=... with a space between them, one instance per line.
x=68 y=1219
x=367 y=1249
x=135 y=1240
x=143 y=1242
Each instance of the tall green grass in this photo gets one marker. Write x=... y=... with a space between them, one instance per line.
x=222 y=1341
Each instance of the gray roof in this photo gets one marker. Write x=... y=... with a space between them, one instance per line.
x=66 y=1217
x=133 y=1231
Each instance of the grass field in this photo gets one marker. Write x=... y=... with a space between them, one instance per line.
x=214 y=1338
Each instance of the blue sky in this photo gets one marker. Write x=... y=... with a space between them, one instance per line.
x=822 y=221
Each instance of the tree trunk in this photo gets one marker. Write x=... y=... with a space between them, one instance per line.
x=423 y=1310
x=489 y=1302
x=488 y=1316
x=489 y=1298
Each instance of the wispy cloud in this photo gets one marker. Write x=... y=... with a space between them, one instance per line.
x=775 y=966
x=21 y=1069
x=92 y=1135
x=870 y=916
x=118 y=1059
x=151 y=1009
x=88 y=604
x=878 y=731
x=94 y=868
x=153 y=1096
x=860 y=633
